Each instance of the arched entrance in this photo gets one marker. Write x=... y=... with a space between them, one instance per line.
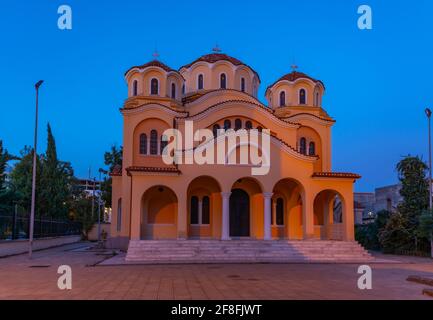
x=239 y=213
x=204 y=208
x=246 y=209
x=328 y=215
x=159 y=213
x=287 y=208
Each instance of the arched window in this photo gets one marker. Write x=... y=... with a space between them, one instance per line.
x=143 y=143
x=173 y=91
x=279 y=216
x=215 y=129
x=243 y=84
x=227 y=124
x=238 y=124
x=205 y=211
x=302 y=97
x=248 y=125
x=259 y=128
x=303 y=146
x=154 y=86
x=119 y=215
x=200 y=84
x=153 y=142
x=135 y=88
x=194 y=210
x=183 y=89
x=163 y=143
x=223 y=81
x=312 y=149
x=282 y=99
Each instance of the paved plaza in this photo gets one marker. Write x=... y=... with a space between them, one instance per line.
x=21 y=278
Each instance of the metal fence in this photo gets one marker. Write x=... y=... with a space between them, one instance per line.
x=17 y=227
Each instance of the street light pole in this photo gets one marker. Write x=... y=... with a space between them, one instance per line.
x=428 y=113
x=99 y=208
x=32 y=212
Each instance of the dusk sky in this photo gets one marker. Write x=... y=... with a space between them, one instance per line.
x=378 y=82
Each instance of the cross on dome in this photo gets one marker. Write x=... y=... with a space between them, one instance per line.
x=216 y=49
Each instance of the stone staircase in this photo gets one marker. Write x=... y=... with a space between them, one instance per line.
x=245 y=251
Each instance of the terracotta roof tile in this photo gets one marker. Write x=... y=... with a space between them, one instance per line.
x=153 y=169
x=214 y=57
x=336 y=175
x=293 y=76
x=154 y=63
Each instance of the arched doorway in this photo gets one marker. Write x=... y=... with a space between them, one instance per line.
x=204 y=208
x=246 y=209
x=287 y=206
x=328 y=215
x=159 y=213
x=239 y=213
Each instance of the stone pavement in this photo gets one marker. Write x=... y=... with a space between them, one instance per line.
x=21 y=278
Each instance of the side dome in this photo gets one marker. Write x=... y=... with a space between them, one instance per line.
x=154 y=79
x=295 y=89
x=217 y=71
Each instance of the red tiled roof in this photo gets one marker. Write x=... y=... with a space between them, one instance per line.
x=293 y=76
x=153 y=63
x=117 y=171
x=336 y=175
x=154 y=169
x=214 y=57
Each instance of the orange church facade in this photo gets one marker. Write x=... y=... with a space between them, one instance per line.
x=295 y=200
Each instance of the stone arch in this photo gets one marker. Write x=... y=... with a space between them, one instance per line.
x=329 y=211
x=254 y=189
x=202 y=187
x=159 y=211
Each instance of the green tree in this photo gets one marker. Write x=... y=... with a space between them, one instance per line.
x=56 y=181
x=395 y=236
x=112 y=159
x=21 y=178
x=7 y=194
x=368 y=235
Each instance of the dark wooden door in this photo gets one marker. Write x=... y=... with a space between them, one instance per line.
x=239 y=213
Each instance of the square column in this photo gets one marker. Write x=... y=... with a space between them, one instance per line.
x=267 y=197
x=225 y=225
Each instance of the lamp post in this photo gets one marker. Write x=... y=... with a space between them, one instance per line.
x=99 y=205
x=32 y=212
x=428 y=113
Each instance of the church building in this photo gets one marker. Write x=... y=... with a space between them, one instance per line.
x=298 y=198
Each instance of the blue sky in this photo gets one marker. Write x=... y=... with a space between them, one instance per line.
x=378 y=81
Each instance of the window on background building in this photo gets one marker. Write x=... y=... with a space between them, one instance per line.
x=194 y=210
x=243 y=84
x=200 y=84
x=302 y=97
x=143 y=143
x=223 y=81
x=135 y=88
x=163 y=143
x=312 y=149
x=153 y=142
x=282 y=99
x=227 y=124
x=238 y=124
x=154 y=86
x=248 y=125
x=303 y=146
x=279 y=216
x=205 y=212
x=215 y=129
x=119 y=215
x=173 y=91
